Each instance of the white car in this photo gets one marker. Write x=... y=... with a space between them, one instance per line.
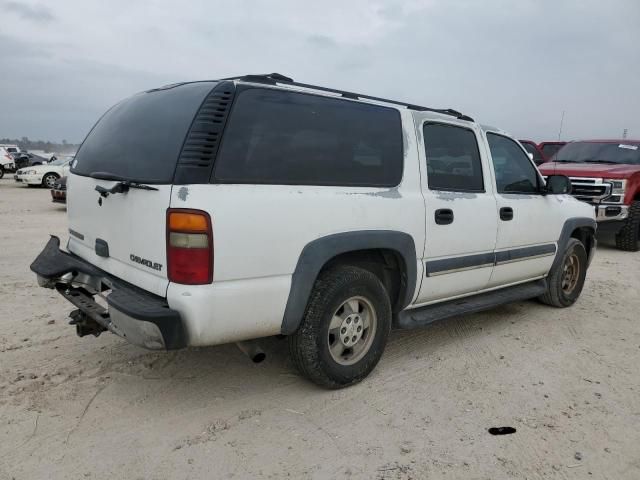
x=222 y=211
x=43 y=175
x=7 y=163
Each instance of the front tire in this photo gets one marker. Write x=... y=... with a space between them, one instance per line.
x=1 y=171
x=49 y=180
x=629 y=235
x=566 y=280
x=345 y=328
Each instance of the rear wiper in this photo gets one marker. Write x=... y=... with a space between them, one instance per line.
x=122 y=186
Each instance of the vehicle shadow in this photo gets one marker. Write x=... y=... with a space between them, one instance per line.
x=225 y=372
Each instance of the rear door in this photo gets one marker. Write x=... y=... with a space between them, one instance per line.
x=139 y=140
x=461 y=217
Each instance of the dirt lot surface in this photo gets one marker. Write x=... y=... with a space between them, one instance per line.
x=566 y=380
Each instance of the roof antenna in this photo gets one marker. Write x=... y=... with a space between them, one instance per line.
x=561 y=122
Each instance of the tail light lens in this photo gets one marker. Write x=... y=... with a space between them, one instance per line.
x=189 y=247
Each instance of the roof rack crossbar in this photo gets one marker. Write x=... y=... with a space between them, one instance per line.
x=275 y=78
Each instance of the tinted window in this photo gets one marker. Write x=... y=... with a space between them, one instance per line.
x=604 y=152
x=141 y=137
x=453 y=159
x=549 y=149
x=513 y=169
x=531 y=148
x=281 y=137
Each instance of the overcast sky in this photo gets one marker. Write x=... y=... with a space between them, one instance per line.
x=513 y=64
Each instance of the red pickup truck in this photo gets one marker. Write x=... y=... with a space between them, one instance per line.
x=549 y=149
x=606 y=174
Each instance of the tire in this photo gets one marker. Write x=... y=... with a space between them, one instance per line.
x=315 y=347
x=1 y=171
x=629 y=235
x=49 y=180
x=565 y=281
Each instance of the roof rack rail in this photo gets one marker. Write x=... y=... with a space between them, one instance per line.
x=275 y=78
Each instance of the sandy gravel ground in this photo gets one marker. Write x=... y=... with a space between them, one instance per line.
x=567 y=380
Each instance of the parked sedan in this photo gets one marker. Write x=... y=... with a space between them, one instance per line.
x=59 y=191
x=44 y=175
x=27 y=159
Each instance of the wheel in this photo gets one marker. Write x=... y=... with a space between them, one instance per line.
x=565 y=281
x=1 y=171
x=345 y=328
x=629 y=235
x=49 y=180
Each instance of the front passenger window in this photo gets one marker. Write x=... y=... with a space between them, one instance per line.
x=513 y=169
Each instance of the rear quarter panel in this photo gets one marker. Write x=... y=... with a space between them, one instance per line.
x=259 y=232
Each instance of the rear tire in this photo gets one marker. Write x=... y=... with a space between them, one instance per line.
x=629 y=235
x=1 y=171
x=49 y=180
x=344 y=329
x=565 y=281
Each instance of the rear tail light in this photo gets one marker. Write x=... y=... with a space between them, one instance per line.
x=189 y=247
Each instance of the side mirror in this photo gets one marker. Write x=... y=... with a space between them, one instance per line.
x=558 y=185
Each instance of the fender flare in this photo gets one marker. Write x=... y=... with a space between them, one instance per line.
x=318 y=252
x=567 y=229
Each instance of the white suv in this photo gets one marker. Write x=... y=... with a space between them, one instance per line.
x=222 y=211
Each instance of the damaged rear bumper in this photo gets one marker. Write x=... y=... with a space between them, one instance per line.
x=138 y=316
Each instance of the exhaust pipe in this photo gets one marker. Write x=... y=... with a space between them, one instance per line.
x=252 y=350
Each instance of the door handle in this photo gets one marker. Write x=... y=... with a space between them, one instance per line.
x=444 y=216
x=506 y=214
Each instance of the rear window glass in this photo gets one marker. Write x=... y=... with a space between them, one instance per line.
x=290 y=138
x=550 y=149
x=141 y=137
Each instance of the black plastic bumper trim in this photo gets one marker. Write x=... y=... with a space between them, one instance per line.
x=53 y=263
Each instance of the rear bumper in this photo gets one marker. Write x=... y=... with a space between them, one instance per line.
x=138 y=316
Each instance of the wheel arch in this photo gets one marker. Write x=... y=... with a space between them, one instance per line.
x=358 y=248
x=581 y=228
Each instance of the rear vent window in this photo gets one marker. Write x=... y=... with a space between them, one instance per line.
x=201 y=145
x=289 y=138
x=141 y=137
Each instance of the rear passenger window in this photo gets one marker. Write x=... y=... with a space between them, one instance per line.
x=290 y=138
x=453 y=158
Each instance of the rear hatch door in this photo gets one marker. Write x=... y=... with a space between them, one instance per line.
x=133 y=149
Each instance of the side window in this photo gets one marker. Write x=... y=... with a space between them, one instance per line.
x=513 y=169
x=290 y=138
x=453 y=158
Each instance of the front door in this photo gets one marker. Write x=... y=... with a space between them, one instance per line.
x=527 y=223
x=461 y=212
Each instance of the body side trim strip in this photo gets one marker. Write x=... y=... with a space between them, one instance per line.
x=483 y=260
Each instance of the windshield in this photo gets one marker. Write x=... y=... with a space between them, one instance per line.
x=599 y=152
x=141 y=137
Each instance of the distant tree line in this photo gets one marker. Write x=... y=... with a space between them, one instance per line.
x=26 y=144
